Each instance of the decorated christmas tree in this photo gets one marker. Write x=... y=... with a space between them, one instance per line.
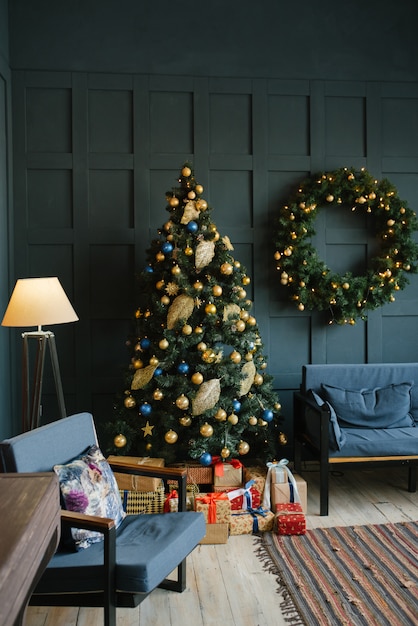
x=196 y=386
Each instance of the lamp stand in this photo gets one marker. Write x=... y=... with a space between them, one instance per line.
x=31 y=417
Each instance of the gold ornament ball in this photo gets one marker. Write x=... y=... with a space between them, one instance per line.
x=165 y=300
x=235 y=357
x=182 y=402
x=191 y=195
x=154 y=361
x=206 y=430
x=197 y=378
x=244 y=315
x=160 y=256
x=252 y=420
x=198 y=285
x=242 y=294
x=277 y=406
x=249 y=356
x=186 y=171
x=138 y=364
x=175 y=270
x=217 y=290
x=187 y=329
x=148 y=447
x=227 y=269
x=233 y=419
x=163 y=344
x=174 y=201
x=346 y=285
x=201 y=205
x=198 y=330
x=301 y=306
x=262 y=422
x=159 y=284
x=252 y=321
x=282 y=439
x=225 y=452
x=258 y=379
x=201 y=346
x=186 y=420
x=188 y=251
x=240 y=326
x=220 y=415
x=246 y=280
x=243 y=447
x=199 y=189
x=171 y=436
x=120 y=441
x=129 y=402
x=168 y=225
x=210 y=309
x=158 y=394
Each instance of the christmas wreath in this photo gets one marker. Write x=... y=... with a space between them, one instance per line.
x=315 y=286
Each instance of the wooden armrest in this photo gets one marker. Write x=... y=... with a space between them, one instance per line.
x=89 y=522
x=148 y=470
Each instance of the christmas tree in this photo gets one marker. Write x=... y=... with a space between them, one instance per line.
x=196 y=386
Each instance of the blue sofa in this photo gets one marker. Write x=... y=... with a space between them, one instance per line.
x=357 y=413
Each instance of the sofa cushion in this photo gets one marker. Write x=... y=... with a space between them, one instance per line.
x=376 y=442
x=381 y=407
x=148 y=548
x=89 y=486
x=336 y=436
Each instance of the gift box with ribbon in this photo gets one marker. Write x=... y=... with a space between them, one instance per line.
x=227 y=474
x=251 y=521
x=215 y=507
x=290 y=519
x=247 y=497
x=258 y=475
x=293 y=489
x=131 y=482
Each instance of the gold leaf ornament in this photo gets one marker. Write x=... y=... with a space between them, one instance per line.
x=190 y=212
x=248 y=372
x=227 y=243
x=180 y=309
x=205 y=251
x=207 y=396
x=143 y=376
x=231 y=309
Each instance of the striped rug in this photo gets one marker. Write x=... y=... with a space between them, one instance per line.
x=354 y=575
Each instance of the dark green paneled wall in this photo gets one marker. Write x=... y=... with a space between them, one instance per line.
x=107 y=105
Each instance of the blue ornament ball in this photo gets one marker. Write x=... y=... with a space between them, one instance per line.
x=267 y=415
x=192 y=227
x=145 y=343
x=167 y=247
x=236 y=406
x=206 y=459
x=145 y=408
x=158 y=371
x=183 y=368
x=149 y=269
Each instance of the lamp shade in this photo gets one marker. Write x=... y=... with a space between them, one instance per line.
x=38 y=302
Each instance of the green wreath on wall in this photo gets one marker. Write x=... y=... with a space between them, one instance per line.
x=311 y=283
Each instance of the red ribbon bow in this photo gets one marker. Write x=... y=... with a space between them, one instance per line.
x=171 y=496
x=211 y=499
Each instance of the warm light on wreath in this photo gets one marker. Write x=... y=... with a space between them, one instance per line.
x=311 y=283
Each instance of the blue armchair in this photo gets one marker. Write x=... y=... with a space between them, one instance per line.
x=133 y=558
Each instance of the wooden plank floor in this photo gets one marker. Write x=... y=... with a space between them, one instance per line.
x=227 y=583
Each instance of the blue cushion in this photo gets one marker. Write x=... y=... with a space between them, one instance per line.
x=336 y=436
x=382 y=407
x=148 y=548
x=377 y=442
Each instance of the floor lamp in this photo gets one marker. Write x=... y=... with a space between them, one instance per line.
x=38 y=302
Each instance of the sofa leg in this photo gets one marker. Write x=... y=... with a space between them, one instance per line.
x=323 y=489
x=412 y=478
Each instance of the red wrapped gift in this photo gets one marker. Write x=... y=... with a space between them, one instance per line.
x=247 y=497
x=290 y=519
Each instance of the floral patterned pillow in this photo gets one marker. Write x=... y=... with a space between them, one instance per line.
x=89 y=486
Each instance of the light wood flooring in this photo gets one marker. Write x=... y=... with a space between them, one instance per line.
x=227 y=583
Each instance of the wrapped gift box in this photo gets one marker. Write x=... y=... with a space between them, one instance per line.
x=130 y=482
x=197 y=474
x=258 y=474
x=227 y=475
x=216 y=533
x=243 y=497
x=136 y=502
x=290 y=519
x=215 y=507
x=171 y=501
x=247 y=523
x=281 y=493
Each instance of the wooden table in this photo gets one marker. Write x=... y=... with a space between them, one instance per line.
x=29 y=536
